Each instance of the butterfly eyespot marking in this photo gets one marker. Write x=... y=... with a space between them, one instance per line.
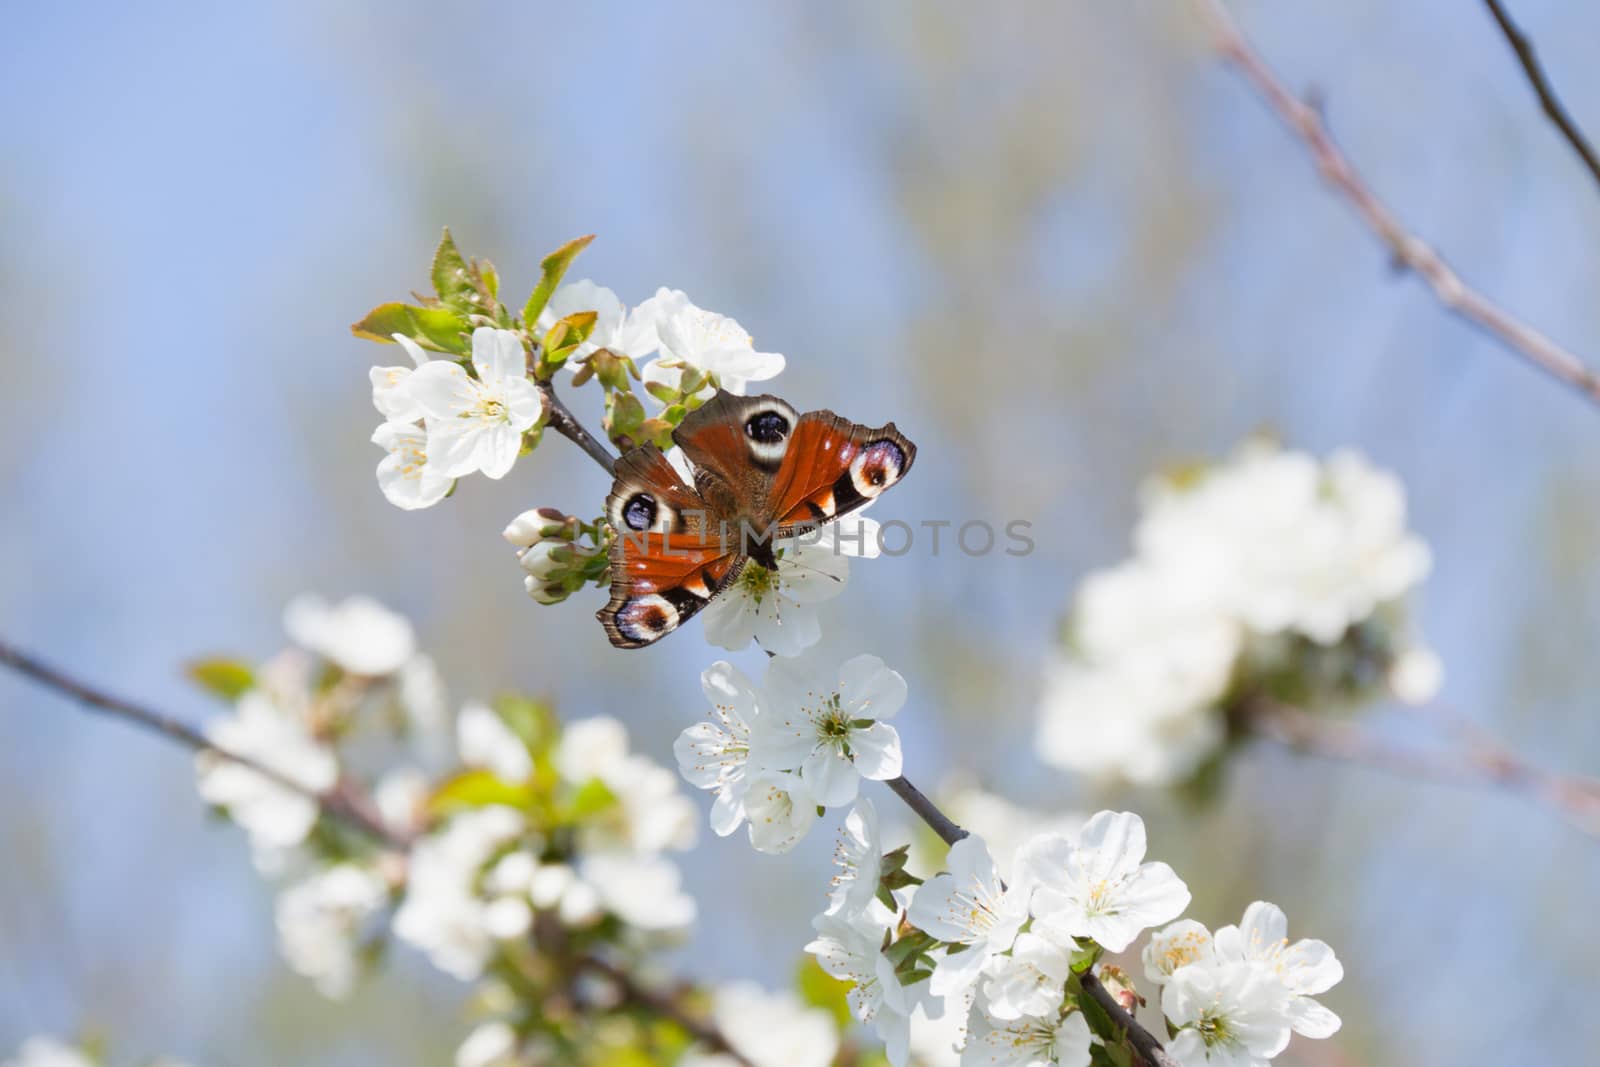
x=639 y=512
x=767 y=427
x=879 y=466
x=645 y=618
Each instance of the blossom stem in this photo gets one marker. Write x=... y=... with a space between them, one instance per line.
x=561 y=419
x=926 y=810
x=1409 y=252
x=338 y=802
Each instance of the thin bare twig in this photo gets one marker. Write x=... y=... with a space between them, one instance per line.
x=338 y=802
x=1548 y=100
x=1487 y=764
x=561 y=419
x=926 y=810
x=1408 y=250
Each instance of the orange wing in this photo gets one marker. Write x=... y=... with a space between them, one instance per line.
x=658 y=580
x=834 y=466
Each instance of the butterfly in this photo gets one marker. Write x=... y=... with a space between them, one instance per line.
x=761 y=471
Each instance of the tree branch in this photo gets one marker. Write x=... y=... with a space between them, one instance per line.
x=926 y=810
x=1490 y=764
x=1143 y=1041
x=1408 y=250
x=1548 y=100
x=561 y=419
x=338 y=802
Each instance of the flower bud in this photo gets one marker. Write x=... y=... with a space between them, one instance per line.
x=1120 y=986
x=543 y=593
x=539 y=524
x=543 y=561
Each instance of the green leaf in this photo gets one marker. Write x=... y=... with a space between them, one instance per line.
x=439 y=329
x=593 y=797
x=475 y=789
x=563 y=339
x=1098 y=1019
x=453 y=279
x=228 y=679
x=822 y=990
x=490 y=276
x=532 y=720
x=550 y=273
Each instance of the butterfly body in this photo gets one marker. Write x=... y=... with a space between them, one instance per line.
x=761 y=472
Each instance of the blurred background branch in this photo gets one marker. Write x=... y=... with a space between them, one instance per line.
x=1485 y=763
x=1557 y=112
x=1409 y=251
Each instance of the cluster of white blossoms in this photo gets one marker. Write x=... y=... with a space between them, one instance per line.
x=972 y=967
x=777 y=753
x=495 y=823
x=1273 y=574
x=45 y=1051
x=445 y=419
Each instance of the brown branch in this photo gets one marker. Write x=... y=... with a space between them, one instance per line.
x=1409 y=251
x=339 y=802
x=1488 y=764
x=561 y=419
x=663 y=1005
x=1143 y=1041
x=1554 y=110
x=926 y=810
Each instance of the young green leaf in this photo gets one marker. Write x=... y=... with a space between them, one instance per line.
x=551 y=271
x=439 y=329
x=228 y=679
x=453 y=280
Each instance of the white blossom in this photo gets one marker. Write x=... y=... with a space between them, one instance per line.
x=42 y=1051
x=968 y=905
x=847 y=947
x=1097 y=887
x=774 y=1029
x=620 y=331
x=777 y=608
x=711 y=343
x=858 y=860
x=477 y=423
x=401 y=797
x=405 y=476
x=1028 y=1041
x=275 y=816
x=443 y=914
x=358 y=634
x=319 y=920
x=1031 y=980
x=642 y=890
x=1305 y=968
x=828 y=725
x=391 y=392
x=780 y=811
x=1176 y=945
x=715 y=755
x=484 y=740
x=1229 y=1015
x=490 y=1044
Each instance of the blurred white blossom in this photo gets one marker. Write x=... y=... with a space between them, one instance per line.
x=45 y=1051
x=262 y=730
x=1265 y=566
x=774 y=1029
x=320 y=919
x=358 y=634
